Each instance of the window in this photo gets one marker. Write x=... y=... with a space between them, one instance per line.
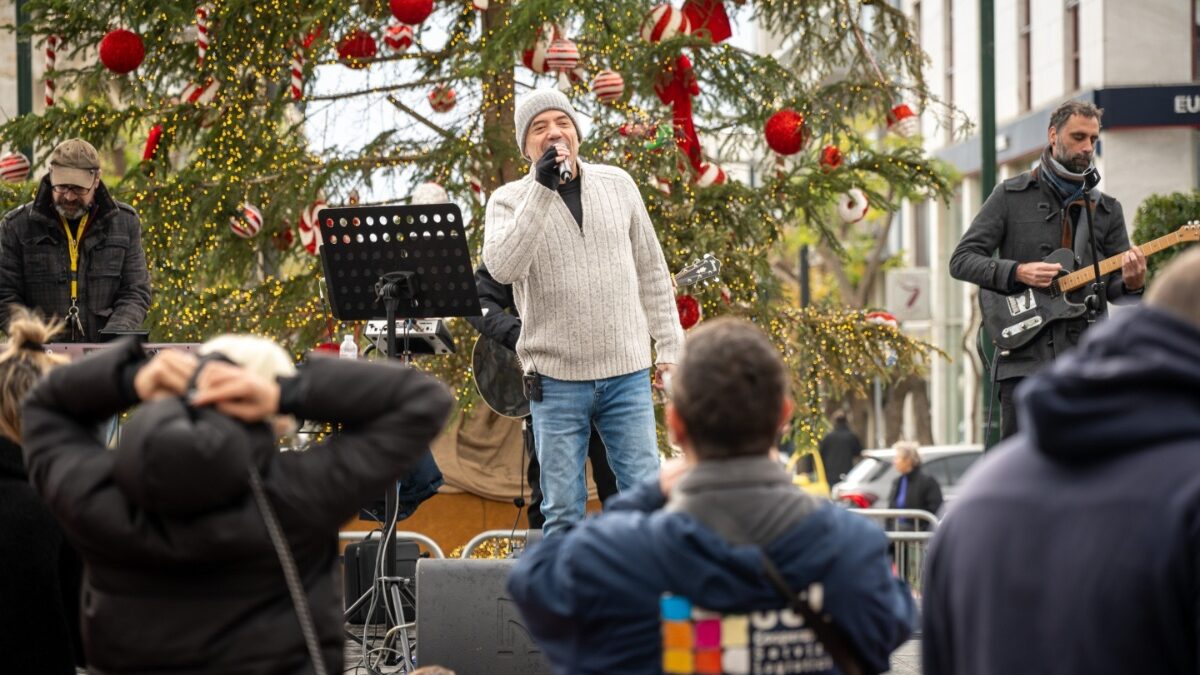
x=948 y=55
x=937 y=469
x=1071 y=51
x=957 y=465
x=1024 y=53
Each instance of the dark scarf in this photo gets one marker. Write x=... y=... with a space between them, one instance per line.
x=1068 y=186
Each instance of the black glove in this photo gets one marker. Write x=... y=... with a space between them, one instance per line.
x=547 y=169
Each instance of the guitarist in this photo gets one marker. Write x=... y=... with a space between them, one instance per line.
x=1029 y=216
x=500 y=322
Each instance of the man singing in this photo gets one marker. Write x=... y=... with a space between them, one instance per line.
x=590 y=281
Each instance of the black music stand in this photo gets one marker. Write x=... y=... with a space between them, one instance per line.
x=396 y=262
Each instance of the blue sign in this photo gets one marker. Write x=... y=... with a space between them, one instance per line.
x=1154 y=106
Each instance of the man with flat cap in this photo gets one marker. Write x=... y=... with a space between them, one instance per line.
x=74 y=252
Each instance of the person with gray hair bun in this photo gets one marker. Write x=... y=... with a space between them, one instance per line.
x=592 y=287
x=913 y=489
x=181 y=557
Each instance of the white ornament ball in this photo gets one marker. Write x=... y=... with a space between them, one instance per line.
x=852 y=206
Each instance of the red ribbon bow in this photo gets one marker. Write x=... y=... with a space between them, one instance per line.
x=676 y=88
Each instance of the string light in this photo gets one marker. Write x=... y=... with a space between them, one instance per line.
x=248 y=144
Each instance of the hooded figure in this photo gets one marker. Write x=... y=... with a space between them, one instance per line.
x=1072 y=547
x=181 y=575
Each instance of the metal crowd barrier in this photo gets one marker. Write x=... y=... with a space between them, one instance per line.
x=908 y=547
x=430 y=545
x=477 y=540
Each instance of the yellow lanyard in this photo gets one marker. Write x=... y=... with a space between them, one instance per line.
x=73 y=250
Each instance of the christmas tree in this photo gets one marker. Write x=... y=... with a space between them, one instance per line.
x=228 y=183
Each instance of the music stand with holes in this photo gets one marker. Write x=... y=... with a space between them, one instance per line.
x=396 y=262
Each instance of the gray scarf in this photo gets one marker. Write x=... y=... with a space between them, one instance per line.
x=748 y=500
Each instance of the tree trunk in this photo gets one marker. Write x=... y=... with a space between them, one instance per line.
x=499 y=108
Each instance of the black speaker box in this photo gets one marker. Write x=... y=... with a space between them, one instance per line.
x=358 y=575
x=466 y=622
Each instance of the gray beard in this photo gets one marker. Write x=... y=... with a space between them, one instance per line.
x=70 y=214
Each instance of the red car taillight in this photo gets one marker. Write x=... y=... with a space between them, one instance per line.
x=859 y=500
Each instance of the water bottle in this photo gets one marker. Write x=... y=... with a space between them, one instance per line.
x=349 y=348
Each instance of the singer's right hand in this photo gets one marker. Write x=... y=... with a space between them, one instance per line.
x=547 y=168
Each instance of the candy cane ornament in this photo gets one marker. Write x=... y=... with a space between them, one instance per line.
x=51 y=56
x=201 y=34
x=297 y=68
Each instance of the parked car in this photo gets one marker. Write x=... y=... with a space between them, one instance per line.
x=869 y=482
x=808 y=472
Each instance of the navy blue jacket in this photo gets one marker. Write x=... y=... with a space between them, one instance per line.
x=590 y=596
x=1072 y=548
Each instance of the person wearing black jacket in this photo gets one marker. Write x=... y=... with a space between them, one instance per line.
x=39 y=588
x=500 y=322
x=839 y=449
x=181 y=575
x=1071 y=548
x=913 y=489
x=74 y=252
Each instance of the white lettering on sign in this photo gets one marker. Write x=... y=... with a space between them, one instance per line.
x=1185 y=103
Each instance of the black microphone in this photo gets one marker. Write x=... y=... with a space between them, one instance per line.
x=564 y=171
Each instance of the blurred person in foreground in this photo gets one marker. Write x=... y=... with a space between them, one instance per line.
x=39 y=589
x=1072 y=547
x=591 y=596
x=181 y=574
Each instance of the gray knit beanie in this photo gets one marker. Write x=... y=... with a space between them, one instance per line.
x=538 y=102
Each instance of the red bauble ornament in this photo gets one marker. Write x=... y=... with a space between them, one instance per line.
x=663 y=23
x=442 y=98
x=608 y=86
x=689 y=310
x=249 y=223
x=831 y=157
x=785 y=132
x=283 y=239
x=411 y=12
x=562 y=55
x=903 y=121
x=14 y=167
x=121 y=51
x=355 y=48
x=399 y=37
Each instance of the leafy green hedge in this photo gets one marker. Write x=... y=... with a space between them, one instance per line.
x=1163 y=214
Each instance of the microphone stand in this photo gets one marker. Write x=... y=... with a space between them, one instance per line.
x=1097 y=301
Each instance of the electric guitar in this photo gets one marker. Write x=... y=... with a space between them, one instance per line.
x=1013 y=321
x=497 y=371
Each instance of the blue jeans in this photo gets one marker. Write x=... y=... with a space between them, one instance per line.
x=623 y=412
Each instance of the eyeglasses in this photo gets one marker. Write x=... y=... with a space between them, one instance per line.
x=73 y=189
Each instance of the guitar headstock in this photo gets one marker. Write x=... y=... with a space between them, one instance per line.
x=703 y=269
x=1191 y=231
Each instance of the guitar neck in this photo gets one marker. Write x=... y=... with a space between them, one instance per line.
x=1085 y=275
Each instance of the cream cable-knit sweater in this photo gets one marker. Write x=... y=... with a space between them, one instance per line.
x=589 y=298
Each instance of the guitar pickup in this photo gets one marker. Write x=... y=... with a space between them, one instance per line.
x=1021 y=302
x=1018 y=328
